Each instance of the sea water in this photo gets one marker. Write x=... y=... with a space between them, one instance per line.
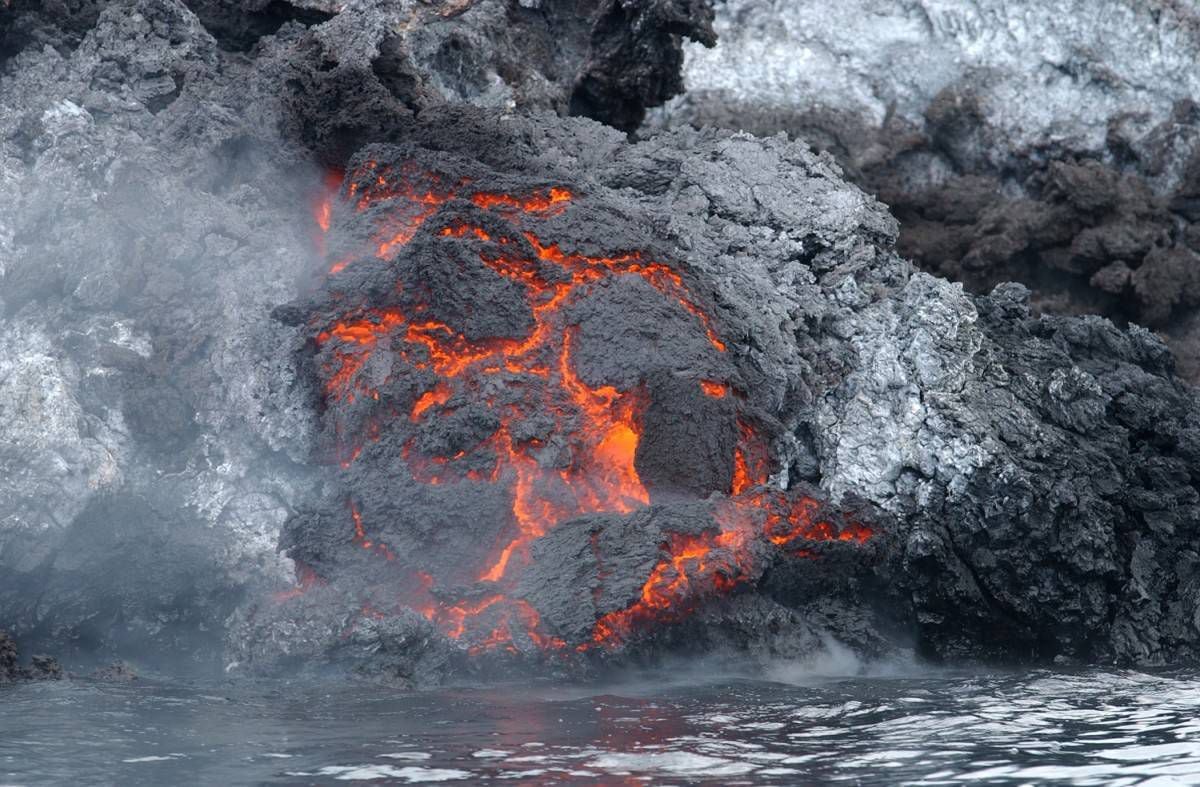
x=908 y=726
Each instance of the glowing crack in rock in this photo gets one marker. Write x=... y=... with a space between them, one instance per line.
x=602 y=425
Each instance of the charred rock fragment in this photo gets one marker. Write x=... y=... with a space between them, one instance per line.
x=635 y=59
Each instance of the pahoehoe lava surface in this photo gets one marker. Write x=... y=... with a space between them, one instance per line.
x=508 y=388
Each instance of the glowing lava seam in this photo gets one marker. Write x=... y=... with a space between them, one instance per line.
x=601 y=424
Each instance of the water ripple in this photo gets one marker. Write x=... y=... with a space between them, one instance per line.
x=1087 y=728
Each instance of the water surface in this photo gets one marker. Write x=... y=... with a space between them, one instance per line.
x=926 y=728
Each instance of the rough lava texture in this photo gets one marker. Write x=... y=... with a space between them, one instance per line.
x=1053 y=143
x=11 y=671
x=157 y=177
x=512 y=389
x=1027 y=487
x=510 y=354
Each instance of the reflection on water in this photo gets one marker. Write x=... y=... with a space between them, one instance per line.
x=932 y=728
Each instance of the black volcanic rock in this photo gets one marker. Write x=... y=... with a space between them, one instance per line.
x=875 y=455
x=1056 y=144
x=9 y=666
x=40 y=667
x=636 y=60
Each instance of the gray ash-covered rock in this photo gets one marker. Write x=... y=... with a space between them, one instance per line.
x=375 y=65
x=145 y=430
x=1053 y=143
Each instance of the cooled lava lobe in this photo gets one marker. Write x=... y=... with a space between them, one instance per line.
x=545 y=443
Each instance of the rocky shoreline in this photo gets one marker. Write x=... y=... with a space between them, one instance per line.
x=11 y=671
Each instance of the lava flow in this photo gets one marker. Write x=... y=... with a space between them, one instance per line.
x=595 y=429
x=702 y=566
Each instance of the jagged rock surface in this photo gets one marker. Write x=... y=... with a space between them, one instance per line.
x=1056 y=143
x=11 y=671
x=1042 y=472
x=155 y=185
x=1032 y=481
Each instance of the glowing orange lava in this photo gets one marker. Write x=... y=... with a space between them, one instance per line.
x=711 y=564
x=412 y=196
x=437 y=396
x=600 y=424
x=322 y=206
x=360 y=536
x=306 y=580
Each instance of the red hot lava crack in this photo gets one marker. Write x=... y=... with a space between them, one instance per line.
x=605 y=423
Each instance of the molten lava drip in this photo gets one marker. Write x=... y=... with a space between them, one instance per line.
x=322 y=207
x=603 y=424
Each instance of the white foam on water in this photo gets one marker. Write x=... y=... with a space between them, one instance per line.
x=1148 y=753
x=672 y=763
x=410 y=774
x=407 y=755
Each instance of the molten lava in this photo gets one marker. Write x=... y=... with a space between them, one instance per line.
x=322 y=206
x=711 y=564
x=600 y=425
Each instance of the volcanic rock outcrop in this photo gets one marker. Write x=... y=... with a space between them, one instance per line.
x=794 y=435
x=11 y=671
x=157 y=168
x=511 y=389
x=1053 y=143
